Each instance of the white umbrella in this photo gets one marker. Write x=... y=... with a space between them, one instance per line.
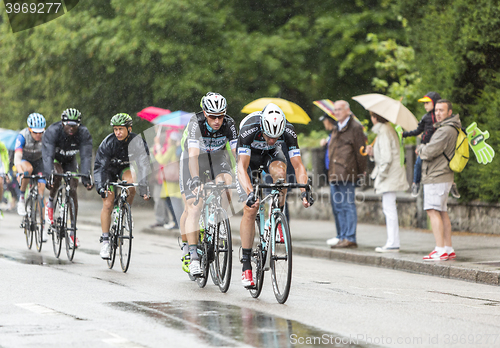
x=390 y=109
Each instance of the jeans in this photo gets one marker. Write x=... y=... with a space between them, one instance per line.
x=335 y=216
x=344 y=207
x=417 y=170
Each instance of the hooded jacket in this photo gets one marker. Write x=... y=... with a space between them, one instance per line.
x=435 y=166
x=426 y=124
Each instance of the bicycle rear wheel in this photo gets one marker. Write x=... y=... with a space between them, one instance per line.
x=125 y=237
x=281 y=258
x=27 y=224
x=112 y=244
x=70 y=227
x=37 y=222
x=257 y=260
x=223 y=250
x=57 y=226
x=204 y=263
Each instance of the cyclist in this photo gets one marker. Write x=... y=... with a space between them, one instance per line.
x=112 y=162
x=4 y=169
x=28 y=156
x=262 y=135
x=60 y=144
x=204 y=149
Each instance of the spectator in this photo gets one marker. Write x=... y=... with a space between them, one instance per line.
x=389 y=177
x=426 y=128
x=346 y=166
x=160 y=204
x=438 y=177
x=330 y=124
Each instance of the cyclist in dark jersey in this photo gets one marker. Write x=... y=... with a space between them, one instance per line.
x=61 y=143
x=262 y=135
x=28 y=156
x=204 y=151
x=113 y=161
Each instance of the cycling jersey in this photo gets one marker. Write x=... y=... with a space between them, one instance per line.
x=114 y=156
x=251 y=140
x=32 y=150
x=198 y=134
x=59 y=146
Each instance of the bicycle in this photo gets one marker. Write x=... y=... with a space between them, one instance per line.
x=215 y=242
x=275 y=233
x=120 y=233
x=64 y=217
x=33 y=221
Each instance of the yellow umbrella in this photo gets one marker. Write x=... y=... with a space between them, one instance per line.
x=293 y=112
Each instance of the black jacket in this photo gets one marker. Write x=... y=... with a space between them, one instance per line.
x=113 y=155
x=426 y=124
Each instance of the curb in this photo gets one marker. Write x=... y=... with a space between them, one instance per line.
x=438 y=269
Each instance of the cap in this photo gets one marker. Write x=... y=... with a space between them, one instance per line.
x=425 y=99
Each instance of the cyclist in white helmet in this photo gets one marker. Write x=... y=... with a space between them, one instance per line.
x=203 y=150
x=28 y=156
x=262 y=135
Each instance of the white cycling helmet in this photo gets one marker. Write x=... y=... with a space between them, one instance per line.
x=273 y=121
x=214 y=103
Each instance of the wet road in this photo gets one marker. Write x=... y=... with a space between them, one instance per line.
x=47 y=302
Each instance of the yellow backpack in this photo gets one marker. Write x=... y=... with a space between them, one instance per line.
x=460 y=157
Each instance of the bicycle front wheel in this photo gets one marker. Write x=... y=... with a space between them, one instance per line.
x=37 y=222
x=281 y=258
x=204 y=263
x=27 y=224
x=223 y=250
x=125 y=237
x=70 y=228
x=57 y=226
x=257 y=260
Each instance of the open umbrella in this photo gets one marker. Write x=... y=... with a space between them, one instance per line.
x=152 y=112
x=329 y=108
x=8 y=137
x=390 y=109
x=177 y=118
x=293 y=112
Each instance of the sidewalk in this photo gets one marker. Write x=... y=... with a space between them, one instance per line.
x=478 y=256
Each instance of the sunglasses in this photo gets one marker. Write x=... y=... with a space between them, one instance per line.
x=213 y=117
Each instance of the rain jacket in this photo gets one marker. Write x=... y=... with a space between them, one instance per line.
x=426 y=124
x=346 y=162
x=113 y=154
x=56 y=144
x=435 y=167
x=388 y=173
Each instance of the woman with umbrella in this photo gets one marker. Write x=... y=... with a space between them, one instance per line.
x=389 y=176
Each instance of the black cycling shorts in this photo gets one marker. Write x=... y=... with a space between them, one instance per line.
x=209 y=166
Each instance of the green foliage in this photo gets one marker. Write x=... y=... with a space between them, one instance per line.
x=312 y=139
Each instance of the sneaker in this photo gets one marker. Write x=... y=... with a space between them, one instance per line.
x=195 y=268
x=434 y=256
x=333 y=241
x=279 y=235
x=452 y=255
x=169 y=226
x=49 y=215
x=21 y=209
x=454 y=191
x=414 y=189
x=247 y=279
x=185 y=262
x=385 y=249
x=72 y=241
x=105 y=251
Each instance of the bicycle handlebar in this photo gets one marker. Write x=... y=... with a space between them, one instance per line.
x=209 y=185
x=71 y=175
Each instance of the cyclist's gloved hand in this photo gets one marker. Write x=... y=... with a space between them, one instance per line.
x=102 y=191
x=195 y=183
x=308 y=196
x=86 y=181
x=251 y=199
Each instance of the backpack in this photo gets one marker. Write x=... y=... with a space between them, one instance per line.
x=460 y=157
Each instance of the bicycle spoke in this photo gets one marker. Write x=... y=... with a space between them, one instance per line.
x=57 y=226
x=125 y=237
x=223 y=250
x=281 y=258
